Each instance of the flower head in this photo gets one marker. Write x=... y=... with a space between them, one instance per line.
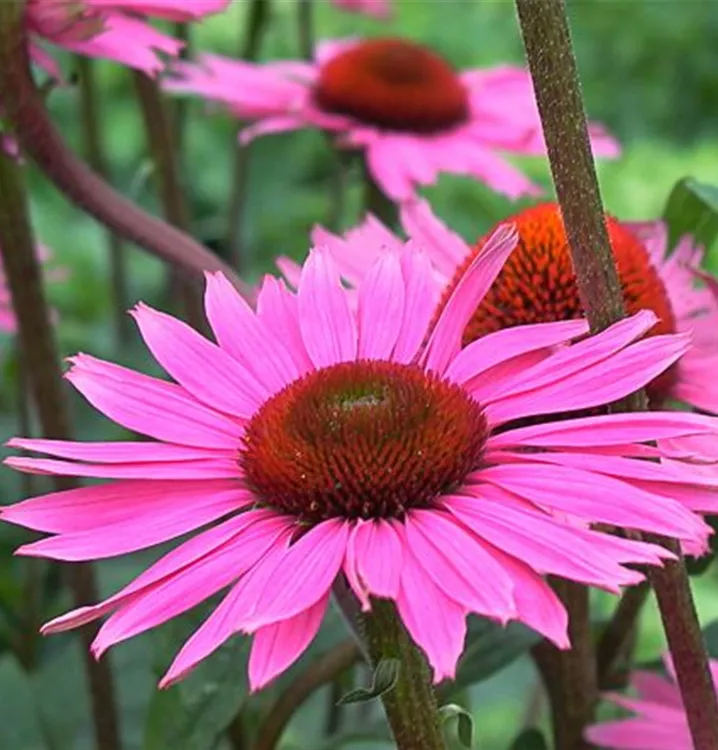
x=315 y=440
x=111 y=29
x=659 y=721
x=401 y=103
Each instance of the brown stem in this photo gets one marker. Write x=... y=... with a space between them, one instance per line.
x=257 y=23
x=569 y=676
x=39 y=138
x=91 y=116
x=618 y=634
x=180 y=104
x=45 y=384
x=320 y=672
x=546 y=36
x=161 y=142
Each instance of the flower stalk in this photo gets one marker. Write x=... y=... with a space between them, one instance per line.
x=410 y=705
x=39 y=356
x=39 y=139
x=544 y=27
x=91 y=116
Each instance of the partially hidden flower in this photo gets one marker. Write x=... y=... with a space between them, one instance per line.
x=659 y=721
x=315 y=440
x=400 y=103
x=376 y=8
x=538 y=284
x=111 y=29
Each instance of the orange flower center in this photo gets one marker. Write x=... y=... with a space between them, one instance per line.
x=394 y=84
x=538 y=285
x=367 y=439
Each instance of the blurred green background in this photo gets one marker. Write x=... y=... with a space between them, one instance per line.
x=650 y=74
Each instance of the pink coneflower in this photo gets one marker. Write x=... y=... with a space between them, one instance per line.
x=111 y=29
x=401 y=103
x=314 y=441
x=538 y=285
x=376 y=8
x=660 y=721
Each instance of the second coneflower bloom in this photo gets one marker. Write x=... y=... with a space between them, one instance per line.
x=401 y=103
x=317 y=439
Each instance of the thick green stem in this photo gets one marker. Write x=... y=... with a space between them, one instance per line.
x=39 y=139
x=411 y=704
x=305 y=28
x=257 y=23
x=91 y=116
x=569 y=676
x=40 y=358
x=161 y=142
x=544 y=27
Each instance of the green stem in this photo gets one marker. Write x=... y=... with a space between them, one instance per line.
x=544 y=27
x=39 y=139
x=619 y=634
x=161 y=141
x=40 y=358
x=91 y=115
x=257 y=24
x=305 y=28
x=411 y=704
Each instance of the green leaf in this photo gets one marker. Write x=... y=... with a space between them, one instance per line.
x=464 y=722
x=531 y=739
x=489 y=648
x=193 y=714
x=692 y=208
x=384 y=679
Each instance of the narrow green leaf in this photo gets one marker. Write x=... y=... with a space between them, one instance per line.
x=384 y=679
x=464 y=722
x=692 y=208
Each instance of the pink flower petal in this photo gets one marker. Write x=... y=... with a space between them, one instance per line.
x=445 y=340
x=436 y=623
x=168 y=566
x=327 y=324
x=195 y=583
x=152 y=407
x=147 y=503
x=245 y=336
x=301 y=577
x=595 y=498
x=374 y=560
x=451 y=556
x=495 y=348
x=276 y=647
x=381 y=304
x=206 y=371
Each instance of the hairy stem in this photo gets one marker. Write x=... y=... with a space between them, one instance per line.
x=39 y=138
x=91 y=116
x=323 y=670
x=257 y=23
x=544 y=27
x=411 y=704
x=40 y=358
x=161 y=142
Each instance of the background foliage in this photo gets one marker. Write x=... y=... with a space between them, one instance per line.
x=649 y=73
